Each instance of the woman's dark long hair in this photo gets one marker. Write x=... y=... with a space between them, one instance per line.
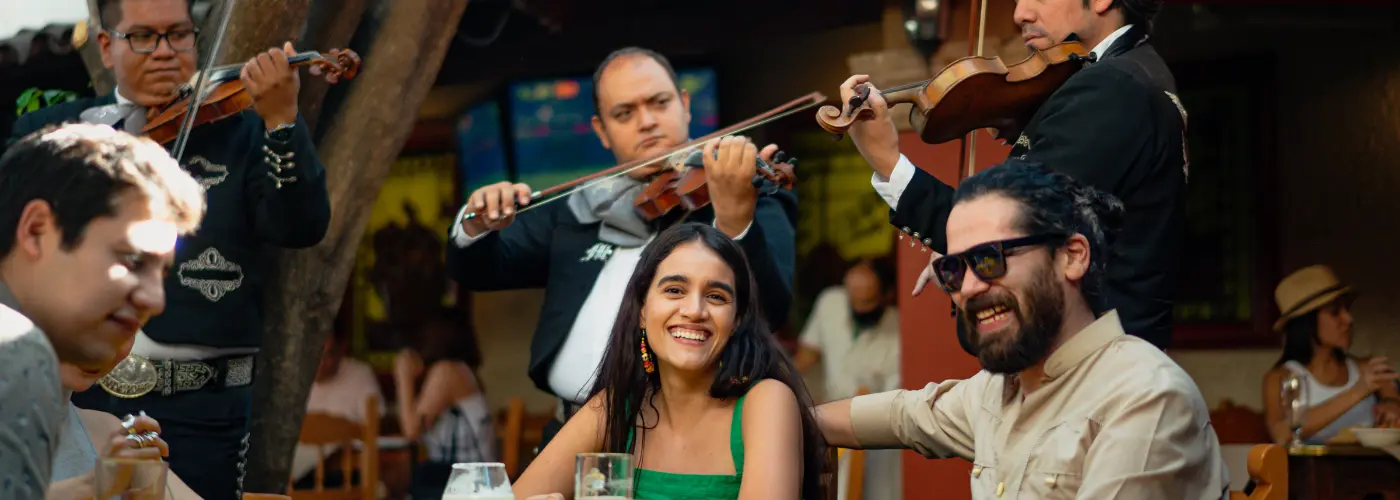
x=1299 y=337
x=752 y=352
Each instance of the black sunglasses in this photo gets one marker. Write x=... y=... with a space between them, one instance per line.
x=988 y=260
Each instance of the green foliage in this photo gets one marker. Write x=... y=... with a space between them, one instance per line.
x=34 y=98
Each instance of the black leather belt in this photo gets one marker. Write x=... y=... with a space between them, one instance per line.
x=186 y=376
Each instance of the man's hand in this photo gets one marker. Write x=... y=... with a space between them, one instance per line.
x=876 y=138
x=927 y=275
x=730 y=164
x=274 y=85
x=495 y=207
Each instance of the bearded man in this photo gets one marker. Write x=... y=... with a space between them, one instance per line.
x=1065 y=399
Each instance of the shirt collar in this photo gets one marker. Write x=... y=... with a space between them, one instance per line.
x=1107 y=42
x=121 y=99
x=1098 y=334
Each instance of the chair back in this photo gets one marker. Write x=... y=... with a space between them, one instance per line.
x=358 y=447
x=520 y=432
x=855 y=475
x=1268 y=468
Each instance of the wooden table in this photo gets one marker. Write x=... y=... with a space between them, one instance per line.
x=1344 y=472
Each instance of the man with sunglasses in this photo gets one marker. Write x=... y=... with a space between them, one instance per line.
x=1116 y=125
x=263 y=185
x=1066 y=404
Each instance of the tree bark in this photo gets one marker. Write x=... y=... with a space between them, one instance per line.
x=102 y=80
x=256 y=25
x=406 y=48
x=329 y=25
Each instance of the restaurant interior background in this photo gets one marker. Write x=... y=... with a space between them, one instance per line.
x=1294 y=134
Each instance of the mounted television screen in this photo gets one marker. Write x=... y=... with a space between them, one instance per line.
x=552 y=132
x=481 y=148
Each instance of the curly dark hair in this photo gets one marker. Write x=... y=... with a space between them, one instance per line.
x=1052 y=202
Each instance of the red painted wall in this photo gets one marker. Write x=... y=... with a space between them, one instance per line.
x=929 y=347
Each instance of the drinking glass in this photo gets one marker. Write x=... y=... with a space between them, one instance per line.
x=603 y=476
x=1295 y=407
x=478 y=481
x=130 y=478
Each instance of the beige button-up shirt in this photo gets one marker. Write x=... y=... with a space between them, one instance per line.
x=1114 y=418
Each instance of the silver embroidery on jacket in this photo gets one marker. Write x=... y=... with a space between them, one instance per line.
x=211 y=274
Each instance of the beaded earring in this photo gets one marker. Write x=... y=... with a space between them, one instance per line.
x=646 y=356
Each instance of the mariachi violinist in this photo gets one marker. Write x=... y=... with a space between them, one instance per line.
x=583 y=249
x=1116 y=125
x=263 y=186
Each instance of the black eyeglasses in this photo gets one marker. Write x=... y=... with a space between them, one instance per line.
x=988 y=260
x=145 y=42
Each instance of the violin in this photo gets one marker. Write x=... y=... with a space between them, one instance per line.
x=971 y=93
x=226 y=96
x=684 y=183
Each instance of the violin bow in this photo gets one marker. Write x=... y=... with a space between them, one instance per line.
x=198 y=92
x=975 y=37
x=567 y=188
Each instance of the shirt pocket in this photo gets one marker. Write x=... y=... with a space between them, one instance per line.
x=1056 y=465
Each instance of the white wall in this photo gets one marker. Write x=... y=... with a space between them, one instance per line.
x=16 y=15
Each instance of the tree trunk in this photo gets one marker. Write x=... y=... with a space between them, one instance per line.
x=406 y=47
x=102 y=80
x=256 y=25
x=329 y=25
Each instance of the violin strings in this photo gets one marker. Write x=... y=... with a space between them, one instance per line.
x=570 y=191
x=195 y=97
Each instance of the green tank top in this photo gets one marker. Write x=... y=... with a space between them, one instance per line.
x=657 y=485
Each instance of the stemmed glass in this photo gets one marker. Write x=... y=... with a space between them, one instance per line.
x=603 y=476
x=1295 y=407
x=478 y=481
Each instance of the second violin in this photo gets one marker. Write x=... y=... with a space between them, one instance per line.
x=969 y=94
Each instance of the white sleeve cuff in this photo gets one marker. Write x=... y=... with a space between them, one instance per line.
x=459 y=235
x=741 y=235
x=891 y=189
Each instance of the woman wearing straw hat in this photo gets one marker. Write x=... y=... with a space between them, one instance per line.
x=1343 y=390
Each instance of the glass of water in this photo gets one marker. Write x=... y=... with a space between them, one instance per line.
x=603 y=476
x=1295 y=406
x=478 y=481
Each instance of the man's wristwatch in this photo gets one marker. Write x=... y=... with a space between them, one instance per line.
x=281 y=133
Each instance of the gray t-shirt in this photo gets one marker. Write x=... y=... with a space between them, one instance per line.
x=32 y=409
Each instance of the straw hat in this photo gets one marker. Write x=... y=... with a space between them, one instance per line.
x=1305 y=291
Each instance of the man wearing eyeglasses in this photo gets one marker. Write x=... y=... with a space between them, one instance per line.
x=1066 y=405
x=263 y=186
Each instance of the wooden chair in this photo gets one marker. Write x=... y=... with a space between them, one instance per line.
x=1235 y=424
x=1268 y=467
x=520 y=432
x=265 y=496
x=320 y=430
x=855 y=477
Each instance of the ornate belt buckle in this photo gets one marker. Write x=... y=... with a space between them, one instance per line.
x=133 y=377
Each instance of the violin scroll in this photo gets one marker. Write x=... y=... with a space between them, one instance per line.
x=340 y=63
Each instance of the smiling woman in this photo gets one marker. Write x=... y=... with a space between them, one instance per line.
x=694 y=386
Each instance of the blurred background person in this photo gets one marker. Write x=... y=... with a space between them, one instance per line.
x=853 y=333
x=1343 y=390
x=441 y=402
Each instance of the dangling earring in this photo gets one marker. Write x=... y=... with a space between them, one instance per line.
x=646 y=357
